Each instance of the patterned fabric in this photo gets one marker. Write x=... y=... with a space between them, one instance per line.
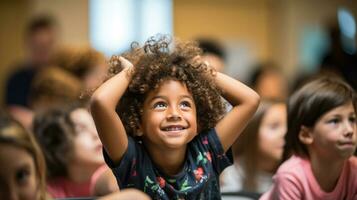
x=199 y=178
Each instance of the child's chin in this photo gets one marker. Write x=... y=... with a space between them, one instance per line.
x=175 y=145
x=346 y=154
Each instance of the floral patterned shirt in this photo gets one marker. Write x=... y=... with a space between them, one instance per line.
x=199 y=178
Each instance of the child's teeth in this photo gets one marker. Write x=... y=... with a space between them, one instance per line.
x=173 y=128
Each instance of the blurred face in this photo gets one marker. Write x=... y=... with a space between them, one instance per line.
x=18 y=180
x=88 y=148
x=271 y=85
x=214 y=61
x=41 y=45
x=272 y=131
x=334 y=134
x=169 y=117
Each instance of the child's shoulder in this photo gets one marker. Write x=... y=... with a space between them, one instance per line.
x=293 y=166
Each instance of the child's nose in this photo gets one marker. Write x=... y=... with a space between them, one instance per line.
x=350 y=129
x=173 y=114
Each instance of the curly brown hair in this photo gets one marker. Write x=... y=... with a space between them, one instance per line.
x=155 y=63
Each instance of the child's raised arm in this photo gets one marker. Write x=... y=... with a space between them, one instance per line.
x=103 y=103
x=244 y=101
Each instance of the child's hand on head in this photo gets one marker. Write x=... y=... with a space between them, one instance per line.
x=199 y=59
x=125 y=63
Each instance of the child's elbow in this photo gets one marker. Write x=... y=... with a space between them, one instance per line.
x=255 y=100
x=96 y=102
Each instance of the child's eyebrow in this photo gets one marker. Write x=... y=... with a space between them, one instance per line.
x=339 y=115
x=165 y=98
x=23 y=165
x=157 y=97
x=186 y=96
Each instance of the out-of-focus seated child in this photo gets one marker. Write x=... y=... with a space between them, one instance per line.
x=51 y=86
x=22 y=166
x=269 y=82
x=54 y=86
x=258 y=151
x=85 y=63
x=72 y=149
x=213 y=53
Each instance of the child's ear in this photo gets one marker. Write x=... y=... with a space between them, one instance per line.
x=305 y=135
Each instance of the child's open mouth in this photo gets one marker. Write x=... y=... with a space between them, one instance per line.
x=173 y=128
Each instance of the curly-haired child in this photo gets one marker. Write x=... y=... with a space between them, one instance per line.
x=169 y=137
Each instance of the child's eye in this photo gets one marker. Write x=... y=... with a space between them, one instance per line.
x=274 y=125
x=334 y=121
x=22 y=175
x=185 y=104
x=352 y=119
x=159 y=105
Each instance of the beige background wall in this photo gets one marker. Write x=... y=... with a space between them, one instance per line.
x=72 y=17
x=273 y=28
x=224 y=19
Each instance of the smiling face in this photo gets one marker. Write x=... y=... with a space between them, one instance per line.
x=334 y=134
x=169 y=117
x=17 y=176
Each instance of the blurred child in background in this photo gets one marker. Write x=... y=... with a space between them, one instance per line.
x=258 y=151
x=87 y=64
x=213 y=53
x=269 y=82
x=22 y=166
x=54 y=86
x=72 y=149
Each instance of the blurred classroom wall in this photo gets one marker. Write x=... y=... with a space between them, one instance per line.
x=271 y=28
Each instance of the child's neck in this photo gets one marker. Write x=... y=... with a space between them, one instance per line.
x=326 y=172
x=267 y=165
x=169 y=161
x=80 y=174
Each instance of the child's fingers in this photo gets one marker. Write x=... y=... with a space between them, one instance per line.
x=125 y=63
x=199 y=59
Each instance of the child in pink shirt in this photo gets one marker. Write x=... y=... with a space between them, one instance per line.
x=72 y=149
x=322 y=139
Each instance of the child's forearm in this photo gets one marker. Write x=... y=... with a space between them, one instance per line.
x=245 y=102
x=109 y=126
x=235 y=92
x=110 y=92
